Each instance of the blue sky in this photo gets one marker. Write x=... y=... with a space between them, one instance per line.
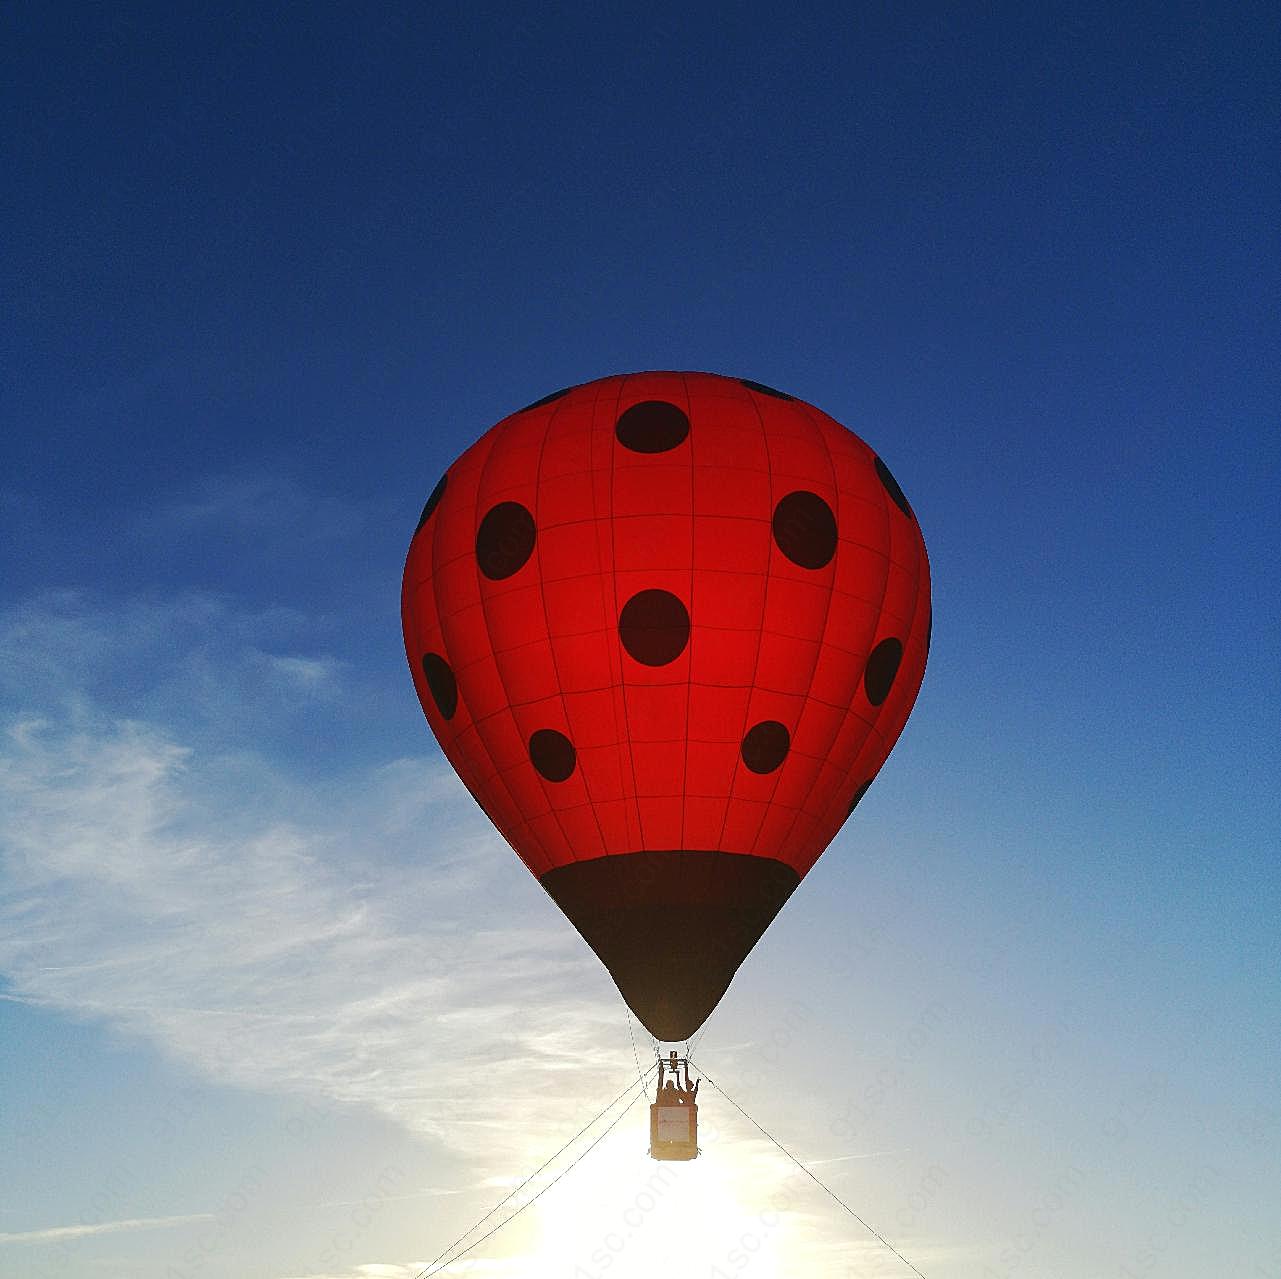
x=275 y=1001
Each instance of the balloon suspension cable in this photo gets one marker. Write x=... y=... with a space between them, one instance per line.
x=870 y=1229
x=445 y=1259
x=692 y=1043
x=632 y=1036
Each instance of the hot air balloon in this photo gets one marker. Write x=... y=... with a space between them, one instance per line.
x=667 y=627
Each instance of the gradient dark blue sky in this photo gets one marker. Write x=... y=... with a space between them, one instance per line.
x=268 y=272
x=1032 y=257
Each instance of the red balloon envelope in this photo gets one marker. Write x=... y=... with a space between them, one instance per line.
x=667 y=627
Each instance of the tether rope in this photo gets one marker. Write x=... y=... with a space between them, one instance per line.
x=632 y=1036
x=870 y=1229
x=440 y=1263
x=690 y=1044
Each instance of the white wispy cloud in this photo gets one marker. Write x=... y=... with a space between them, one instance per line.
x=225 y=673
x=306 y=672
x=373 y=1270
x=53 y=1233
x=367 y=941
x=252 y=503
x=322 y=940
x=282 y=955
x=841 y=1159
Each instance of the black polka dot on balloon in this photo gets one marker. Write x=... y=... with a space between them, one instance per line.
x=882 y=666
x=505 y=540
x=547 y=399
x=552 y=754
x=442 y=684
x=653 y=426
x=654 y=627
x=805 y=529
x=892 y=488
x=433 y=501
x=858 y=794
x=765 y=746
x=765 y=390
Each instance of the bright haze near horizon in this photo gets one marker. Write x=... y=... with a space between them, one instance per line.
x=276 y=1002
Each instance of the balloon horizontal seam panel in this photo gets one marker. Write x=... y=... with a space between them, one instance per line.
x=879 y=551
x=532 y=645
x=760 y=686
x=586 y=804
x=697 y=741
x=604 y=688
x=722 y=572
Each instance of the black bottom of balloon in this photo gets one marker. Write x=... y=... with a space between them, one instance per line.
x=672 y=927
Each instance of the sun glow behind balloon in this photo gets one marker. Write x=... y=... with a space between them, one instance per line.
x=624 y=1214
